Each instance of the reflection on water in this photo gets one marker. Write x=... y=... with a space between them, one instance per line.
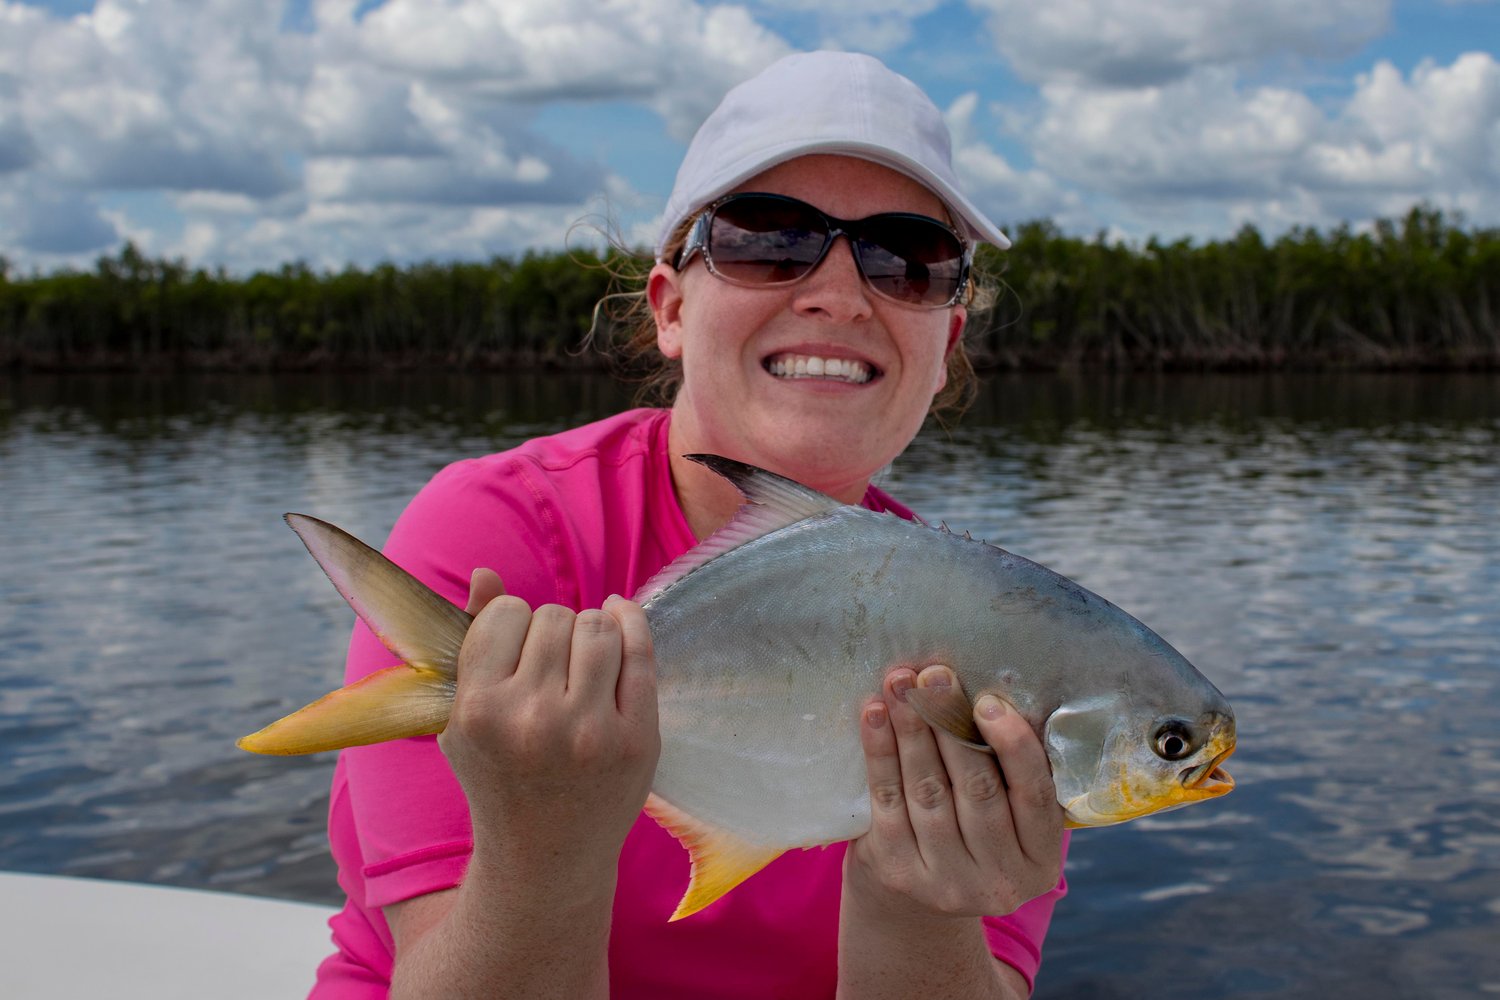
x=1325 y=548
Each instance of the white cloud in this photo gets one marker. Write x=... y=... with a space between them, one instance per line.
x=402 y=110
x=193 y=95
x=17 y=149
x=677 y=56
x=1447 y=117
x=45 y=218
x=875 y=26
x=414 y=128
x=1001 y=190
x=1199 y=135
x=1133 y=43
x=1203 y=145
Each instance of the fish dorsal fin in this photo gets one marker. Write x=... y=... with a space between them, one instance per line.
x=720 y=859
x=407 y=616
x=773 y=503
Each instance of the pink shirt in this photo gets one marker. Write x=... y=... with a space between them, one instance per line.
x=571 y=519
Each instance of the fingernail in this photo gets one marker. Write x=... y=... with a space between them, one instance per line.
x=900 y=685
x=990 y=707
x=875 y=716
x=936 y=677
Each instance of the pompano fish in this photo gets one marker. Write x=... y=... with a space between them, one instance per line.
x=769 y=638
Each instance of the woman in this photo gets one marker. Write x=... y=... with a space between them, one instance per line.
x=509 y=856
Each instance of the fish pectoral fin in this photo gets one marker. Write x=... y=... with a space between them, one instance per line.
x=389 y=704
x=721 y=860
x=948 y=709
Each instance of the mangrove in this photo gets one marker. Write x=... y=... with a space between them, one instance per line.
x=1422 y=291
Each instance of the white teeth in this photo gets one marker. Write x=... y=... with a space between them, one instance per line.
x=805 y=366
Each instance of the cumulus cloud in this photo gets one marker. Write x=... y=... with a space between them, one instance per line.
x=43 y=219
x=17 y=149
x=1000 y=188
x=874 y=26
x=182 y=96
x=677 y=56
x=250 y=133
x=1205 y=140
x=263 y=132
x=1135 y=43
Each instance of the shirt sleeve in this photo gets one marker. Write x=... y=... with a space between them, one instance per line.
x=408 y=810
x=1016 y=939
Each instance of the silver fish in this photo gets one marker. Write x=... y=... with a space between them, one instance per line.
x=771 y=635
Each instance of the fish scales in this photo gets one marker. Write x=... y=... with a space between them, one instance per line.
x=808 y=620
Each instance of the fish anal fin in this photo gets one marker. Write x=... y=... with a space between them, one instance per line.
x=720 y=859
x=389 y=704
x=948 y=709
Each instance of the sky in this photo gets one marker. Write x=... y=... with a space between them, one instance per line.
x=248 y=134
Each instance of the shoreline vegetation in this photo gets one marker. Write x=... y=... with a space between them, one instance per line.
x=1420 y=292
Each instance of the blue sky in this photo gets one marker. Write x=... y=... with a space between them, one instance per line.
x=246 y=133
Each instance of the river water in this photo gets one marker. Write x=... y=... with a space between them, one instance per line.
x=1326 y=548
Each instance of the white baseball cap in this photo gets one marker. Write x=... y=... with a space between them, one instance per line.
x=844 y=103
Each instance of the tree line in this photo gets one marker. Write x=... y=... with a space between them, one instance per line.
x=1416 y=292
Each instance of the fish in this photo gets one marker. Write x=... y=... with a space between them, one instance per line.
x=772 y=634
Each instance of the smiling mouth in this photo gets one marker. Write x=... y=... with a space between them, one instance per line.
x=805 y=366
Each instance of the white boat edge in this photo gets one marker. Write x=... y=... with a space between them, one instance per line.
x=64 y=937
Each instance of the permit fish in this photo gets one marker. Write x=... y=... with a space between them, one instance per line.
x=771 y=635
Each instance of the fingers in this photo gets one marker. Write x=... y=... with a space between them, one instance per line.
x=924 y=776
x=635 y=690
x=889 y=825
x=588 y=657
x=545 y=654
x=1030 y=792
x=492 y=647
x=484 y=587
x=593 y=668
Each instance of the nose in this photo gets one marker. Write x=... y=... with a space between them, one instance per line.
x=835 y=289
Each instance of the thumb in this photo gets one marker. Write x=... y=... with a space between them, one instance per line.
x=484 y=586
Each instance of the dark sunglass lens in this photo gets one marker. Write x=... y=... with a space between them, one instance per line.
x=764 y=241
x=911 y=260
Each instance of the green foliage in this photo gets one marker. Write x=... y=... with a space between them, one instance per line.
x=1418 y=291
x=1421 y=291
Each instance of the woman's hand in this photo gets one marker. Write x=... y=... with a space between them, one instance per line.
x=954 y=831
x=553 y=735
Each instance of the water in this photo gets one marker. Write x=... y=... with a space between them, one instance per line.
x=1325 y=548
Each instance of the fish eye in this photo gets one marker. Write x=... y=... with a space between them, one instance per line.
x=1173 y=741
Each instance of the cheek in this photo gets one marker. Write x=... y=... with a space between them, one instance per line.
x=932 y=358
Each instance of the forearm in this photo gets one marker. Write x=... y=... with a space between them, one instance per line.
x=497 y=939
x=934 y=957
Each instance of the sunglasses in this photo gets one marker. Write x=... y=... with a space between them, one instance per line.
x=757 y=239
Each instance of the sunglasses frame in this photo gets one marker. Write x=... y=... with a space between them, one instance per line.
x=850 y=229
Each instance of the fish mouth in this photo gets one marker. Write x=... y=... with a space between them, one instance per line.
x=1209 y=778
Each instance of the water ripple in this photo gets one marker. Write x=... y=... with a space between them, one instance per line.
x=1323 y=548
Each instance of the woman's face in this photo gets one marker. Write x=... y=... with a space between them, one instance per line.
x=737 y=345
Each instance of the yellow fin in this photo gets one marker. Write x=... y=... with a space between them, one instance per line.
x=720 y=859
x=386 y=705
